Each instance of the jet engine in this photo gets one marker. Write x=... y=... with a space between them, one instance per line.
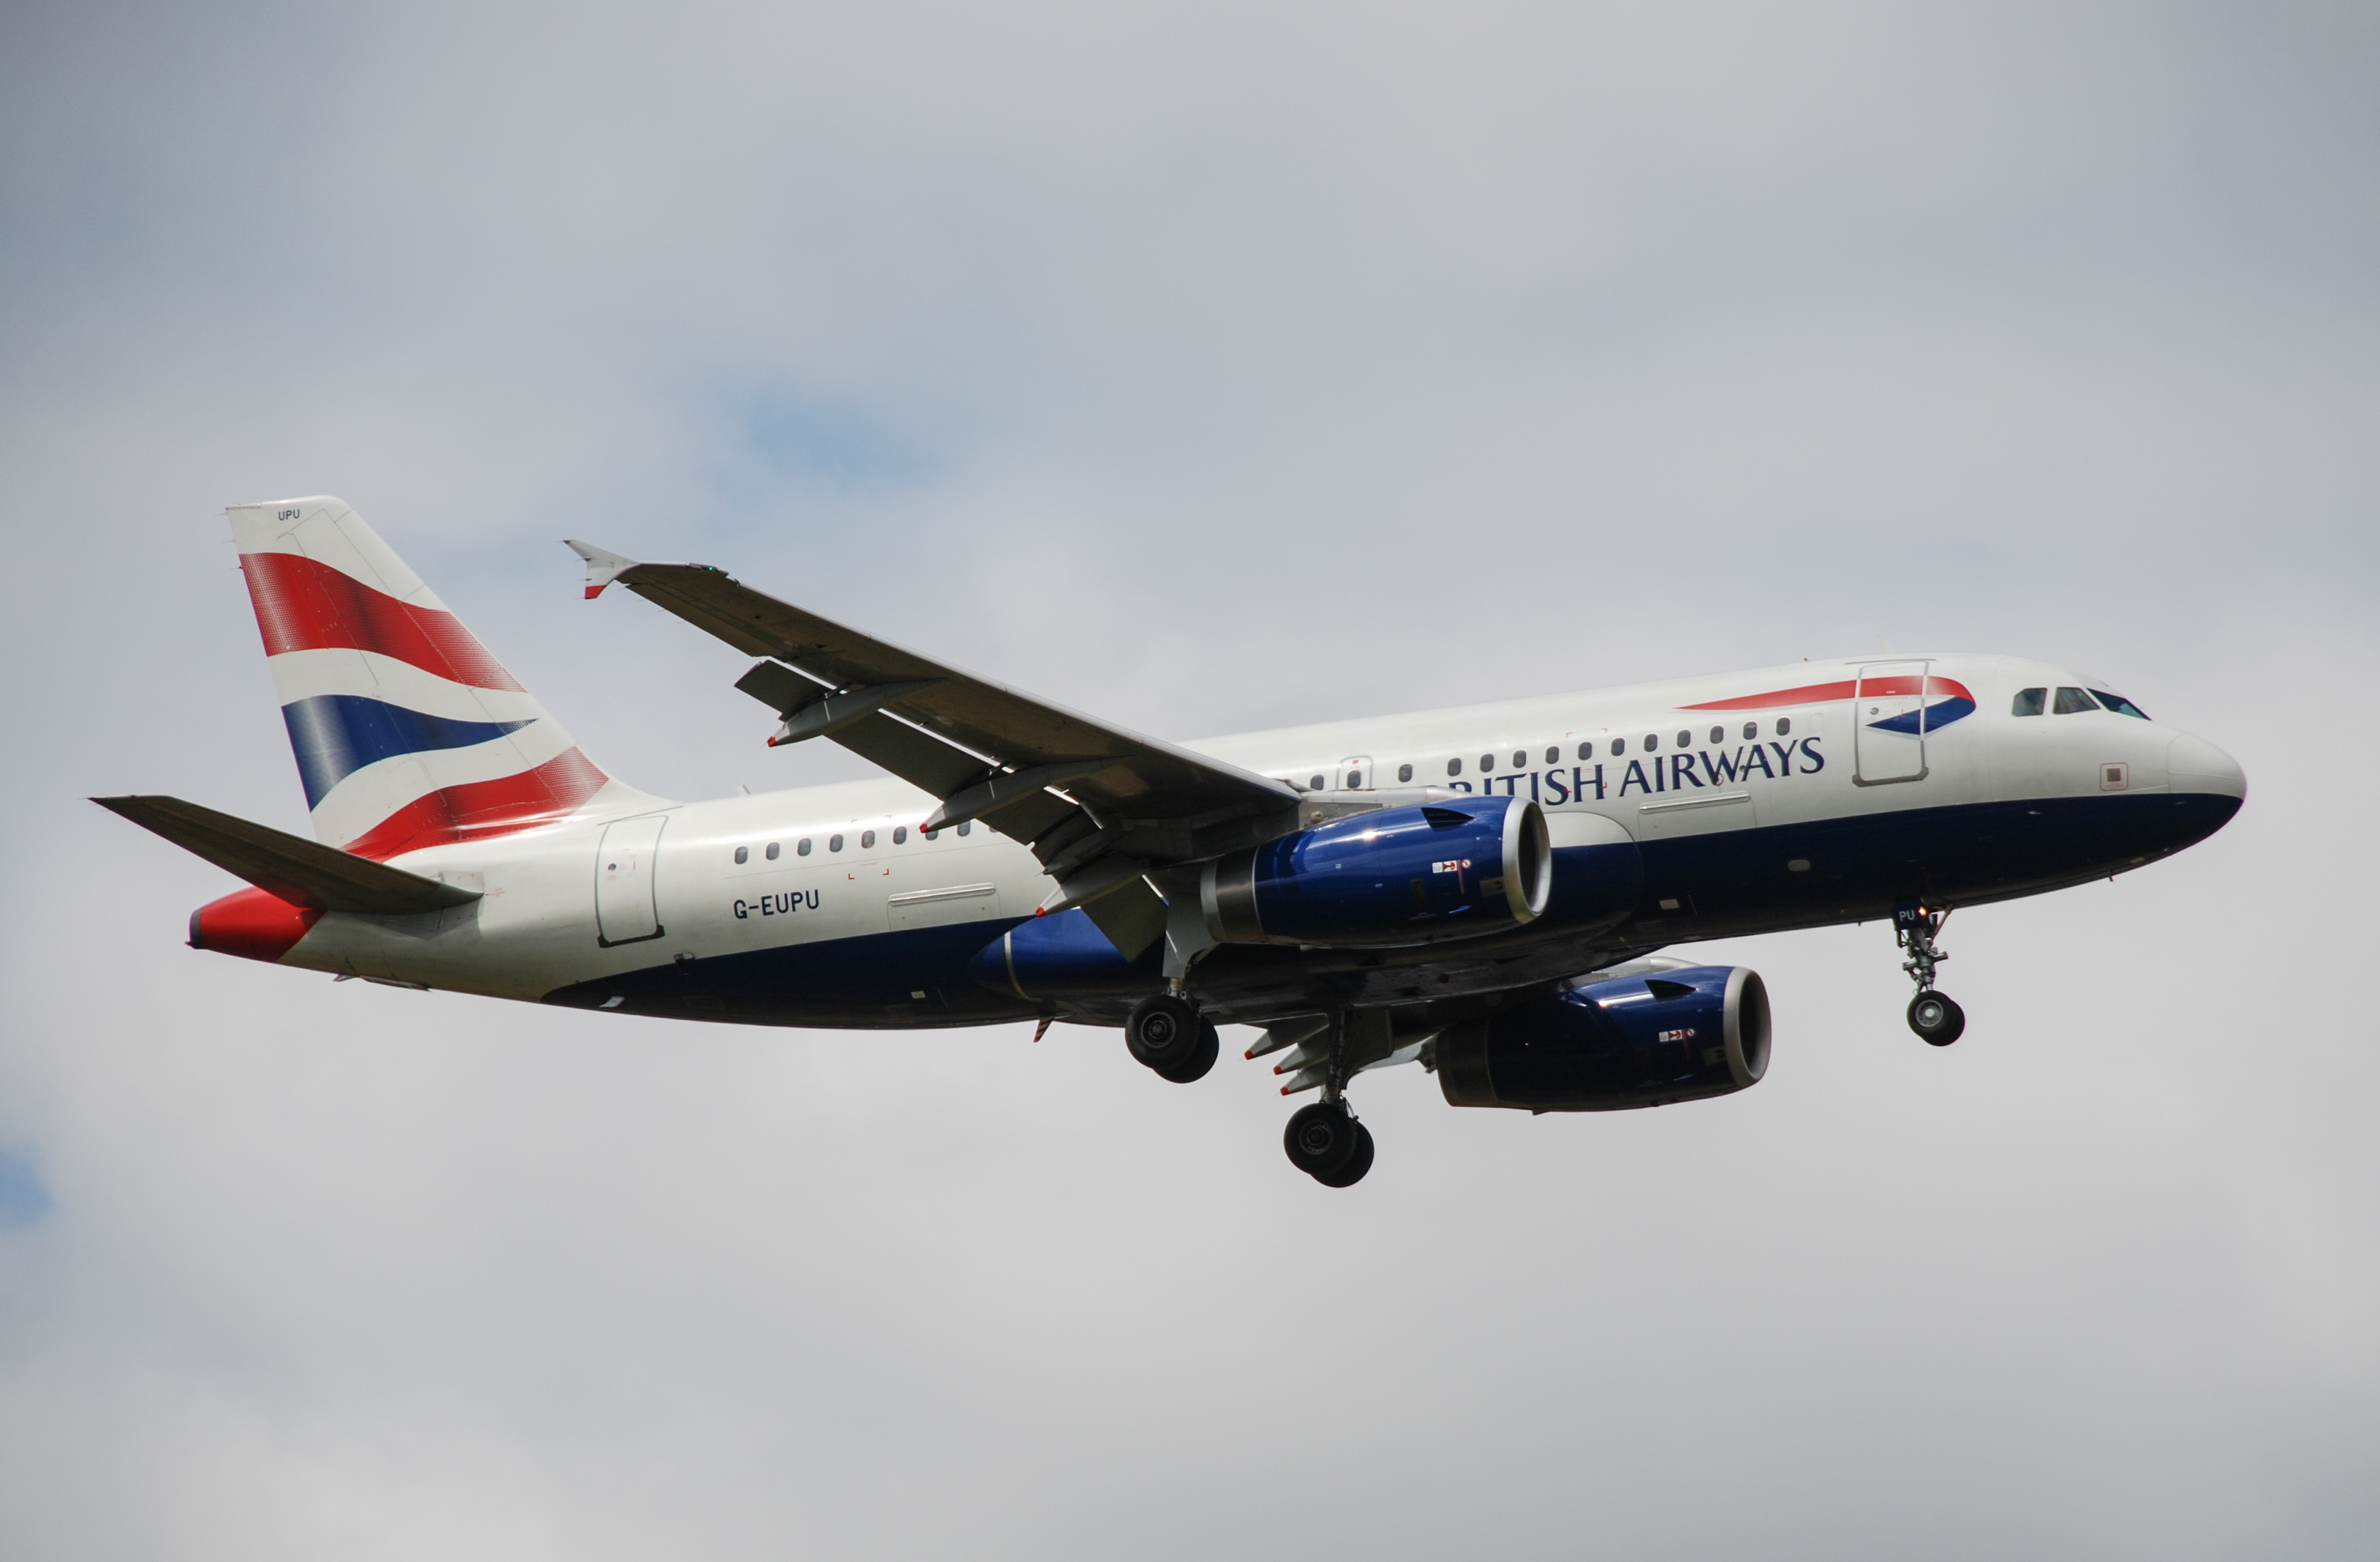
x=1608 y=1045
x=1396 y=876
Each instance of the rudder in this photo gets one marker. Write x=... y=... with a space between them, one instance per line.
x=406 y=732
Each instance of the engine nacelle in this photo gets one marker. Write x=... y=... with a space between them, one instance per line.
x=1395 y=875
x=1606 y=1047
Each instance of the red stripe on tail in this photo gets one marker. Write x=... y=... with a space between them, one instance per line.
x=477 y=809
x=304 y=606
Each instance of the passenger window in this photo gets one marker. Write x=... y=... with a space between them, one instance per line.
x=1314 y=783
x=1404 y=772
x=1719 y=735
x=1686 y=740
x=1751 y=731
x=2069 y=701
x=1520 y=759
x=1618 y=747
x=2119 y=704
x=1487 y=762
x=834 y=843
x=743 y=855
x=867 y=839
x=1354 y=780
x=802 y=847
x=771 y=853
x=1553 y=756
x=1652 y=742
x=967 y=826
x=901 y=835
x=1454 y=767
x=1784 y=725
x=932 y=834
x=1586 y=751
x=2028 y=702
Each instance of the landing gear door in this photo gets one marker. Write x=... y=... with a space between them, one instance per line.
x=625 y=908
x=1888 y=722
x=1355 y=774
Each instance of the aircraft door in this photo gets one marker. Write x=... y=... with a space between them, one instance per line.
x=1355 y=774
x=1888 y=722
x=624 y=910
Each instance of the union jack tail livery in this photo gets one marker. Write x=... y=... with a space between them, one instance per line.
x=408 y=733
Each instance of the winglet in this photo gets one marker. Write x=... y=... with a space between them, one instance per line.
x=602 y=568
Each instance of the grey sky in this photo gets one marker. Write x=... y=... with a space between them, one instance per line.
x=1209 y=368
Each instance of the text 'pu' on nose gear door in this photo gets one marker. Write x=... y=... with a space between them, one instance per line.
x=1888 y=722
x=624 y=907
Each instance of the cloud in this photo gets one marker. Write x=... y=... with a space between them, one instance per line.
x=1207 y=367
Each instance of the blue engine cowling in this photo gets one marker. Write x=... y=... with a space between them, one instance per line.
x=1397 y=876
x=1606 y=1047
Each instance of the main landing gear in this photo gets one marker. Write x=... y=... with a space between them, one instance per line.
x=1167 y=1036
x=1323 y=1139
x=1937 y=1020
x=1325 y=1142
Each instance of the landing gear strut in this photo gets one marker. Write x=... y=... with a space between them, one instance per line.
x=1324 y=1140
x=1937 y=1020
x=1169 y=1037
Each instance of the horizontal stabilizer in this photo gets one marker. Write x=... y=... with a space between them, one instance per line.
x=303 y=872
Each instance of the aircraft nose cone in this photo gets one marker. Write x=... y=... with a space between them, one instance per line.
x=2195 y=765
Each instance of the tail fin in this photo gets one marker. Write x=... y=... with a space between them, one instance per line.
x=408 y=732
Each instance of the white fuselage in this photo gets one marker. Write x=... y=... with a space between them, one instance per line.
x=846 y=866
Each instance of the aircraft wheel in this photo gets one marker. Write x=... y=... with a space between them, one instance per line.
x=1194 y=1067
x=1322 y=1139
x=1165 y=1034
x=1938 y=1021
x=1359 y=1162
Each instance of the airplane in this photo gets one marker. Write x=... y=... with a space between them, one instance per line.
x=1483 y=890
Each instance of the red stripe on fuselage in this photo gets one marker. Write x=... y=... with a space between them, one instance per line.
x=476 y=810
x=1818 y=693
x=304 y=606
x=252 y=924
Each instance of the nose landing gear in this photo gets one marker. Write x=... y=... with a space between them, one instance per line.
x=1937 y=1020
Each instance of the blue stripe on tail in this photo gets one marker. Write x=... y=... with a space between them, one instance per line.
x=335 y=736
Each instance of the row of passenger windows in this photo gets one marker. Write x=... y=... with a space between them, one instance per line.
x=834 y=843
x=2069 y=700
x=1650 y=742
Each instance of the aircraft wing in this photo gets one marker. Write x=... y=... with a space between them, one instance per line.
x=1100 y=804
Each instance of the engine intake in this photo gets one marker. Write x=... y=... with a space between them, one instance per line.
x=1609 y=1045
x=1395 y=875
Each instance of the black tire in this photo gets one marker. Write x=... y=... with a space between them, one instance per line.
x=1321 y=1138
x=1210 y=1046
x=1938 y=1021
x=1359 y=1162
x=1163 y=1033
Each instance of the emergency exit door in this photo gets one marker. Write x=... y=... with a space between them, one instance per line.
x=625 y=910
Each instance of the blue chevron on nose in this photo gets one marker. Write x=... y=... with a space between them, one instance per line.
x=335 y=736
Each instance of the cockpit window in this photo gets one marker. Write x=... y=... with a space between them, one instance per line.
x=2029 y=702
x=2069 y=701
x=2119 y=704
